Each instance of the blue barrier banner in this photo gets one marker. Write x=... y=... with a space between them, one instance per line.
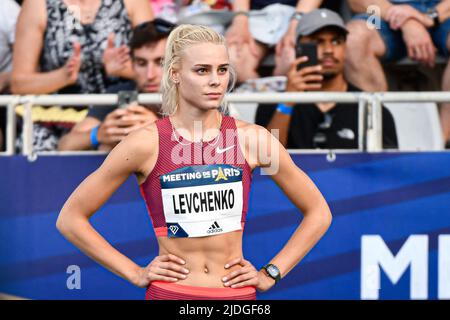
x=389 y=239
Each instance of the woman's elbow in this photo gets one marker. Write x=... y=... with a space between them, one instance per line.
x=323 y=216
x=17 y=84
x=63 y=225
x=327 y=218
x=60 y=225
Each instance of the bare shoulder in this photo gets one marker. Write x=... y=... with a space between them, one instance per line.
x=136 y=153
x=136 y=149
x=245 y=126
x=142 y=142
x=253 y=139
x=251 y=130
x=35 y=12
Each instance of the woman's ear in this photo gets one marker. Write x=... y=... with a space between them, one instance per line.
x=175 y=76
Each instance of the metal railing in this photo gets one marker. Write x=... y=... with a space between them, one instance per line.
x=370 y=107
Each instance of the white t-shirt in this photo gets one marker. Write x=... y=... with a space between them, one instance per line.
x=9 y=10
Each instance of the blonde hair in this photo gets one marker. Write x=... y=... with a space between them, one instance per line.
x=179 y=39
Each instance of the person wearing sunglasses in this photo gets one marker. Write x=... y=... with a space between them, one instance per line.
x=104 y=127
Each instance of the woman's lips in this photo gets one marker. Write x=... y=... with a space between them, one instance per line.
x=214 y=95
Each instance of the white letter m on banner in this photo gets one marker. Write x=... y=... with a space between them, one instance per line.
x=375 y=255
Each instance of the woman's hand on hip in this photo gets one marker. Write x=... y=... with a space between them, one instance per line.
x=247 y=275
x=167 y=267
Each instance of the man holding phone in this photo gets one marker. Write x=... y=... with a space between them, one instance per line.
x=104 y=127
x=319 y=66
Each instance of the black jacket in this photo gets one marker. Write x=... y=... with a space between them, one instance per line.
x=310 y=128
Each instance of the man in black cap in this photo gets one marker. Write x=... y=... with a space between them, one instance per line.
x=321 y=125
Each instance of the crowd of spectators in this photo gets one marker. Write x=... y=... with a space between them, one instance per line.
x=321 y=125
x=116 y=46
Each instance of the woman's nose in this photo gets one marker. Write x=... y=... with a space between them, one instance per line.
x=214 y=80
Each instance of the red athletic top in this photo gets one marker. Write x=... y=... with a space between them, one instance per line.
x=197 y=188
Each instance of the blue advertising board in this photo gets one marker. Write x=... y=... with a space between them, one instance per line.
x=389 y=239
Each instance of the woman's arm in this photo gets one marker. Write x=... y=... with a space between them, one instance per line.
x=116 y=64
x=268 y=153
x=127 y=158
x=26 y=79
x=299 y=188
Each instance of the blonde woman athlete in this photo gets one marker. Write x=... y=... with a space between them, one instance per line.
x=194 y=168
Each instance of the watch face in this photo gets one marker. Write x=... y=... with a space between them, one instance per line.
x=272 y=270
x=297 y=16
x=432 y=13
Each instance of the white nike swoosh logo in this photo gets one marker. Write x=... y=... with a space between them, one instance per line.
x=218 y=150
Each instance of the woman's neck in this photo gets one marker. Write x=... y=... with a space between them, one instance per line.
x=197 y=125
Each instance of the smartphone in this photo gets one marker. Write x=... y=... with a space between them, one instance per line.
x=308 y=49
x=126 y=98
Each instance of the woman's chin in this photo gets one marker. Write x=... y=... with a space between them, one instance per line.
x=208 y=107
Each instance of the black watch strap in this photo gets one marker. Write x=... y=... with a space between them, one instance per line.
x=433 y=14
x=272 y=271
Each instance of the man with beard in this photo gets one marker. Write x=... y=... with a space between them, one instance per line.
x=321 y=125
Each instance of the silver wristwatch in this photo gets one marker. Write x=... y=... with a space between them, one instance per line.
x=272 y=271
x=297 y=16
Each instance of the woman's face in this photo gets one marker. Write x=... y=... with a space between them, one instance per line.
x=203 y=76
